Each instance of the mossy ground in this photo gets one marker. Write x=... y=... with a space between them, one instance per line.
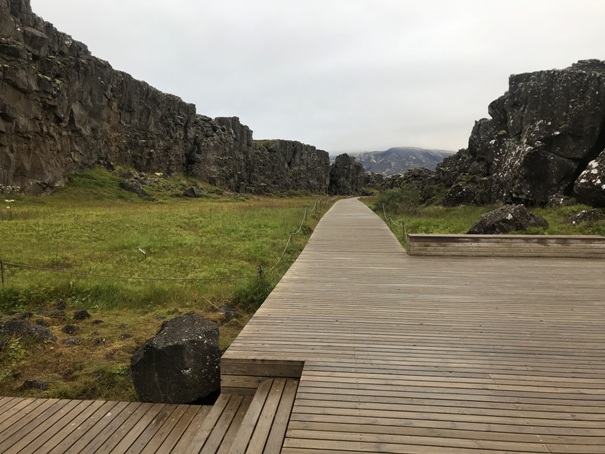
x=82 y=247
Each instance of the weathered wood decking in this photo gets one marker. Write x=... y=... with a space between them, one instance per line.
x=430 y=354
x=561 y=246
x=395 y=354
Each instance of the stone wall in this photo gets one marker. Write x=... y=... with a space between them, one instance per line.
x=62 y=110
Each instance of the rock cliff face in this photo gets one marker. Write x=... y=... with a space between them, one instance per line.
x=546 y=135
x=346 y=176
x=61 y=110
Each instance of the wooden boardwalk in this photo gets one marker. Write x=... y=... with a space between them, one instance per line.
x=403 y=354
x=362 y=348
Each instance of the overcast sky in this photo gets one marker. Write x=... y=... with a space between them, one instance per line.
x=343 y=75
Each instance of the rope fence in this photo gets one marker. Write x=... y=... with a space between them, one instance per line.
x=391 y=221
x=4 y=265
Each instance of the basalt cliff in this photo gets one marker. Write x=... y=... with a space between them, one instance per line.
x=544 y=142
x=62 y=110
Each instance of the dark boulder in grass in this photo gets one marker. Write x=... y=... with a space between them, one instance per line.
x=509 y=218
x=25 y=329
x=180 y=364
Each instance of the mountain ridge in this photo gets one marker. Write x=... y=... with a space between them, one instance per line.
x=397 y=160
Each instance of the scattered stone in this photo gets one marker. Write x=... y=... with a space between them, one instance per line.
x=25 y=316
x=71 y=341
x=229 y=313
x=24 y=329
x=134 y=186
x=81 y=315
x=509 y=218
x=180 y=364
x=61 y=306
x=99 y=341
x=193 y=191
x=125 y=336
x=71 y=329
x=34 y=384
x=97 y=322
x=42 y=322
x=58 y=314
x=586 y=216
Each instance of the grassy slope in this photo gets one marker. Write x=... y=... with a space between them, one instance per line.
x=88 y=235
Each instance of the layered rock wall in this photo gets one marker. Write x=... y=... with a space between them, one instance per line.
x=61 y=110
x=539 y=143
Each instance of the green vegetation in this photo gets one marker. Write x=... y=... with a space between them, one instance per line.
x=405 y=212
x=132 y=264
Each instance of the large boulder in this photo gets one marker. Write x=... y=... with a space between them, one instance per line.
x=180 y=364
x=509 y=218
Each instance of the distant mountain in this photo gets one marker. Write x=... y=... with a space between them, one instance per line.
x=400 y=159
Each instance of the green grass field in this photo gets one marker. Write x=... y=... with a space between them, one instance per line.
x=82 y=247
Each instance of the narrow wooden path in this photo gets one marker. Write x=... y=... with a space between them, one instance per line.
x=404 y=354
x=362 y=348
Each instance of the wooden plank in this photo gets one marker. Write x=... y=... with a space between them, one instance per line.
x=88 y=429
x=37 y=437
x=94 y=438
x=231 y=434
x=282 y=418
x=248 y=425
x=73 y=426
x=222 y=425
x=124 y=438
x=192 y=418
x=266 y=417
x=26 y=421
x=197 y=433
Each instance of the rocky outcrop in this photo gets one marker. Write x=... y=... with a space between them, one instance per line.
x=61 y=110
x=542 y=134
x=347 y=177
x=180 y=364
x=590 y=185
x=506 y=219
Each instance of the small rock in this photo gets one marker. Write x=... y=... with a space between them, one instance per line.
x=42 y=322
x=125 y=336
x=587 y=216
x=193 y=191
x=35 y=384
x=71 y=342
x=71 y=329
x=59 y=314
x=97 y=322
x=61 y=306
x=99 y=341
x=81 y=315
x=22 y=328
x=25 y=315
